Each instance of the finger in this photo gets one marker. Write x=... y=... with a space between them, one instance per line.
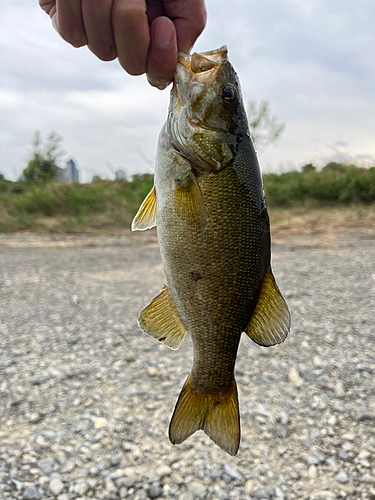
x=69 y=23
x=162 y=55
x=189 y=19
x=131 y=33
x=98 y=27
x=49 y=6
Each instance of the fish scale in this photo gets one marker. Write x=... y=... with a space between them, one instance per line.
x=213 y=231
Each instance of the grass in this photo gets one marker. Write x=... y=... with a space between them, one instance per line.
x=346 y=192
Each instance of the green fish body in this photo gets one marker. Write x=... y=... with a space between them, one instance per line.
x=214 y=237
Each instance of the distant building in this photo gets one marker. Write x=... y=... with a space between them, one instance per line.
x=70 y=173
x=120 y=174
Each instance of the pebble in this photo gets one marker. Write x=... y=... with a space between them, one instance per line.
x=154 y=491
x=342 y=477
x=186 y=496
x=293 y=375
x=368 y=479
x=100 y=423
x=198 y=489
x=260 y=495
x=312 y=472
x=233 y=474
x=32 y=493
x=82 y=488
x=339 y=389
x=56 y=486
x=163 y=470
x=82 y=417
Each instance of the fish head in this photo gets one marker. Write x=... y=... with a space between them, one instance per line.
x=206 y=119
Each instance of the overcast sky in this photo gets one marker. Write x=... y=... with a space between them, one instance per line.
x=313 y=60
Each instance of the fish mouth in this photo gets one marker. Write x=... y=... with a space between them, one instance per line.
x=204 y=62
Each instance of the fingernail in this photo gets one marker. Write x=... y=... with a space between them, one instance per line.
x=158 y=85
x=163 y=35
x=76 y=35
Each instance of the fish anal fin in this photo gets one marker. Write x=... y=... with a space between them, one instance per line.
x=188 y=200
x=270 y=323
x=217 y=414
x=160 y=320
x=146 y=216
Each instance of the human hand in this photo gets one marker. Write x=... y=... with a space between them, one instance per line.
x=145 y=35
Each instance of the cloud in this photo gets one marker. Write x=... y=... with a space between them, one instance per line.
x=314 y=61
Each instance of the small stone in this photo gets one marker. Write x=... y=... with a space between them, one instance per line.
x=233 y=474
x=198 y=489
x=293 y=375
x=260 y=495
x=363 y=455
x=109 y=485
x=186 y=496
x=64 y=496
x=323 y=495
x=32 y=493
x=35 y=417
x=341 y=477
x=163 y=470
x=68 y=466
x=317 y=360
x=367 y=478
x=332 y=420
x=100 y=423
x=130 y=480
x=130 y=357
x=363 y=413
x=339 y=389
x=56 y=486
x=82 y=488
x=154 y=491
x=47 y=465
x=249 y=486
x=152 y=371
x=312 y=472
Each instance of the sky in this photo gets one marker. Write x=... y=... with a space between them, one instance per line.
x=314 y=61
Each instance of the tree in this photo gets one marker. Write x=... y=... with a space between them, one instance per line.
x=1 y=177
x=264 y=128
x=43 y=166
x=309 y=167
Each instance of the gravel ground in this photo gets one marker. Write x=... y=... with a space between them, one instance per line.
x=86 y=397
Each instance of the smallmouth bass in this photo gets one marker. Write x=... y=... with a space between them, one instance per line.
x=213 y=230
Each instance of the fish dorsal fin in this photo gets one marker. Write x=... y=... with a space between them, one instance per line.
x=189 y=202
x=160 y=320
x=146 y=215
x=270 y=322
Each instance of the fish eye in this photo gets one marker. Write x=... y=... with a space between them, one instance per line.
x=228 y=93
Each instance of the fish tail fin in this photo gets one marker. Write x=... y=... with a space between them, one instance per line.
x=217 y=414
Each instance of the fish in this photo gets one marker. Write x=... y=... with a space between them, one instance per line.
x=213 y=230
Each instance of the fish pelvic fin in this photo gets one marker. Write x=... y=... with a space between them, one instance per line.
x=217 y=414
x=145 y=218
x=270 y=323
x=160 y=320
x=188 y=200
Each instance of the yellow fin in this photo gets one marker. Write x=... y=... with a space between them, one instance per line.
x=216 y=414
x=160 y=320
x=188 y=201
x=270 y=322
x=146 y=215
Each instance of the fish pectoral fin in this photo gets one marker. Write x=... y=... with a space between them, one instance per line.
x=160 y=320
x=146 y=215
x=270 y=322
x=217 y=414
x=188 y=200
